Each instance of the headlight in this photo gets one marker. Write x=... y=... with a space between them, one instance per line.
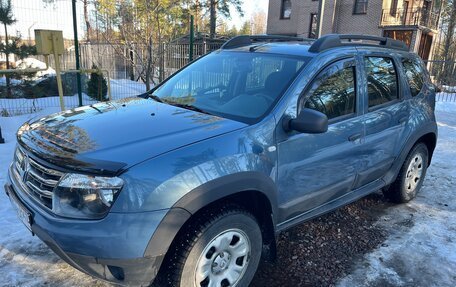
x=83 y=196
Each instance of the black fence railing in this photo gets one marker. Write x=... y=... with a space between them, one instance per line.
x=409 y=17
x=443 y=75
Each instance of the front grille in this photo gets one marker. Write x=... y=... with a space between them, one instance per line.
x=37 y=180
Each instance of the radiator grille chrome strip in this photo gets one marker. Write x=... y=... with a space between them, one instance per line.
x=37 y=180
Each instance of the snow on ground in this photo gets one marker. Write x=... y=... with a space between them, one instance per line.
x=421 y=250
x=31 y=63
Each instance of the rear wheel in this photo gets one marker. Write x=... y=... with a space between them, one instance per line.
x=411 y=176
x=219 y=249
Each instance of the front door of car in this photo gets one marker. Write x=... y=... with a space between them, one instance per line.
x=314 y=169
x=386 y=115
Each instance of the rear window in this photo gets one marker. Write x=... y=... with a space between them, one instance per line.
x=382 y=84
x=414 y=74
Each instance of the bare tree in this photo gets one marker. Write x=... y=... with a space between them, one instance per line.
x=449 y=46
x=259 y=23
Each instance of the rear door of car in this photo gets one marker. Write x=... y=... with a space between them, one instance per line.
x=386 y=112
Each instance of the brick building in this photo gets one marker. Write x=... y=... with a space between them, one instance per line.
x=413 y=21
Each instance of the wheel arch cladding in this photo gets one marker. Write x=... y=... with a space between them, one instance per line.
x=427 y=135
x=430 y=140
x=252 y=191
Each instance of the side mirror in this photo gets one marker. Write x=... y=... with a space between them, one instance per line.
x=308 y=121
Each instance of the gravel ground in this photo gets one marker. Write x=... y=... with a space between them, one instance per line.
x=320 y=251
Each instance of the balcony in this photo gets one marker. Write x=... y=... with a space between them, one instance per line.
x=412 y=17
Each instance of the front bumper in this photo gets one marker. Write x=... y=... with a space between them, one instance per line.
x=111 y=249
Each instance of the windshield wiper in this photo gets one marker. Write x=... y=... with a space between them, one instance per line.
x=184 y=106
x=153 y=97
x=189 y=107
x=149 y=95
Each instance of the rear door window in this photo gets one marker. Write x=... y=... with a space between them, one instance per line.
x=414 y=74
x=382 y=84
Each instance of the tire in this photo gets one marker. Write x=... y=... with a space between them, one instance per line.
x=221 y=247
x=410 y=177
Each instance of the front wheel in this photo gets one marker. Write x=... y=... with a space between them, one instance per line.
x=219 y=249
x=411 y=176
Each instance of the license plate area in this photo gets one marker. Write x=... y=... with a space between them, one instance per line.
x=22 y=213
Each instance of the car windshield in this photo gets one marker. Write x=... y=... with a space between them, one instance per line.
x=242 y=86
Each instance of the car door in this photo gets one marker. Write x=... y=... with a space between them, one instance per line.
x=314 y=169
x=386 y=114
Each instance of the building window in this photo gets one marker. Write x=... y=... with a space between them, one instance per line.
x=313 y=26
x=360 y=7
x=393 y=8
x=286 y=9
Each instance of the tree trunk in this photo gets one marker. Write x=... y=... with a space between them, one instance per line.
x=86 y=20
x=448 y=42
x=149 y=64
x=8 y=83
x=213 y=18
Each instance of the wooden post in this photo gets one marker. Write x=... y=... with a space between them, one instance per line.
x=57 y=72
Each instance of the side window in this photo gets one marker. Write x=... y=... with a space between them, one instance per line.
x=334 y=91
x=382 y=86
x=414 y=74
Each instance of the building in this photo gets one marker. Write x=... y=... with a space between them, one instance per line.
x=413 y=21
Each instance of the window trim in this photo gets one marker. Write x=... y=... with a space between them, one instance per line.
x=282 y=11
x=316 y=76
x=355 y=6
x=400 y=96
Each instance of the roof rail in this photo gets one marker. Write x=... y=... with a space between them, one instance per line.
x=246 y=40
x=334 y=40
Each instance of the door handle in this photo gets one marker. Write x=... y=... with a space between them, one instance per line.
x=354 y=137
x=403 y=120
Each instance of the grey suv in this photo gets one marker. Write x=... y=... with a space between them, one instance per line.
x=190 y=183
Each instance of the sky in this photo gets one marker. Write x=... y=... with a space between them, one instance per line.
x=33 y=14
x=249 y=7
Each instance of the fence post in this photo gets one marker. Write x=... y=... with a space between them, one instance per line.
x=190 y=53
x=76 y=51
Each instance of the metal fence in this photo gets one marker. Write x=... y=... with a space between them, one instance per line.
x=30 y=93
x=443 y=75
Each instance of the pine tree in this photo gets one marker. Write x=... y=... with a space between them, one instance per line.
x=97 y=87
x=7 y=18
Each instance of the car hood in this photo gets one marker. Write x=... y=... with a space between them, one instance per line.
x=110 y=137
